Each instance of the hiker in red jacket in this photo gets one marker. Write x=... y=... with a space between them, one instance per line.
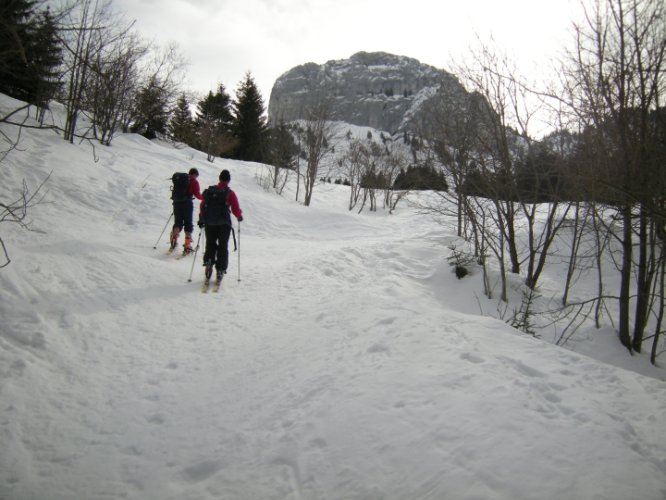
x=182 y=212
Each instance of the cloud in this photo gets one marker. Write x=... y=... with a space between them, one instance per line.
x=223 y=39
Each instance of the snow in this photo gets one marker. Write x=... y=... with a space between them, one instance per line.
x=341 y=360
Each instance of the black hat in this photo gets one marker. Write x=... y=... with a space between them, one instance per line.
x=194 y=171
x=225 y=176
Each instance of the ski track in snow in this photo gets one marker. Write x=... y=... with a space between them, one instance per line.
x=335 y=368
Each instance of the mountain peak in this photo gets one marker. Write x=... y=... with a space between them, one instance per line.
x=374 y=89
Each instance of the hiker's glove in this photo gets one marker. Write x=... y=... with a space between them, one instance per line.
x=240 y=219
x=200 y=224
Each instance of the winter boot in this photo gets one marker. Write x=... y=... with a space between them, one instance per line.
x=175 y=232
x=209 y=270
x=187 y=247
x=220 y=274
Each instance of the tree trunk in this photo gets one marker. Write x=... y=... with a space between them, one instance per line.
x=575 y=243
x=643 y=281
x=660 y=314
x=625 y=277
x=509 y=224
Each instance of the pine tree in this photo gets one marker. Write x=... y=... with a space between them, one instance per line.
x=249 y=125
x=214 y=123
x=282 y=147
x=14 y=33
x=152 y=113
x=29 y=52
x=182 y=124
x=46 y=58
x=215 y=110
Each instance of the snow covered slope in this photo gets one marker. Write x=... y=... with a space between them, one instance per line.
x=341 y=360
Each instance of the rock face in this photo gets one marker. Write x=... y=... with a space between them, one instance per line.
x=378 y=90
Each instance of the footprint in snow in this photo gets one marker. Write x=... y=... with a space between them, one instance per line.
x=202 y=470
x=472 y=358
x=379 y=348
x=156 y=419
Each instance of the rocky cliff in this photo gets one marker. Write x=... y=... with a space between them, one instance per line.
x=378 y=90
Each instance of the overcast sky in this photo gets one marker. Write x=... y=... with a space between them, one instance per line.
x=224 y=39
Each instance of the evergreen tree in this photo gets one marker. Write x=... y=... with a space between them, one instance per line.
x=214 y=124
x=46 y=58
x=182 y=124
x=215 y=110
x=421 y=177
x=15 y=28
x=282 y=149
x=152 y=113
x=249 y=125
x=30 y=51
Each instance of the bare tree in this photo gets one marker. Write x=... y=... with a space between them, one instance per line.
x=615 y=82
x=84 y=36
x=167 y=67
x=317 y=137
x=393 y=162
x=372 y=177
x=493 y=77
x=490 y=215
x=158 y=90
x=660 y=296
x=15 y=211
x=113 y=83
x=502 y=162
x=282 y=154
x=451 y=126
x=370 y=167
x=216 y=142
x=353 y=164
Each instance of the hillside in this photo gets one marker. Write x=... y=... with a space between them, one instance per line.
x=341 y=359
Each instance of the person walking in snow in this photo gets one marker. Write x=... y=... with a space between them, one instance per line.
x=182 y=212
x=219 y=202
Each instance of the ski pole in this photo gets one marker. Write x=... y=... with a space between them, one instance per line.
x=165 y=226
x=194 y=259
x=239 y=250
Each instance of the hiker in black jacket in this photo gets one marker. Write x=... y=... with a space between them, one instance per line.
x=219 y=202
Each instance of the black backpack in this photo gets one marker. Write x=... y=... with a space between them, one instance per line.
x=181 y=181
x=216 y=209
